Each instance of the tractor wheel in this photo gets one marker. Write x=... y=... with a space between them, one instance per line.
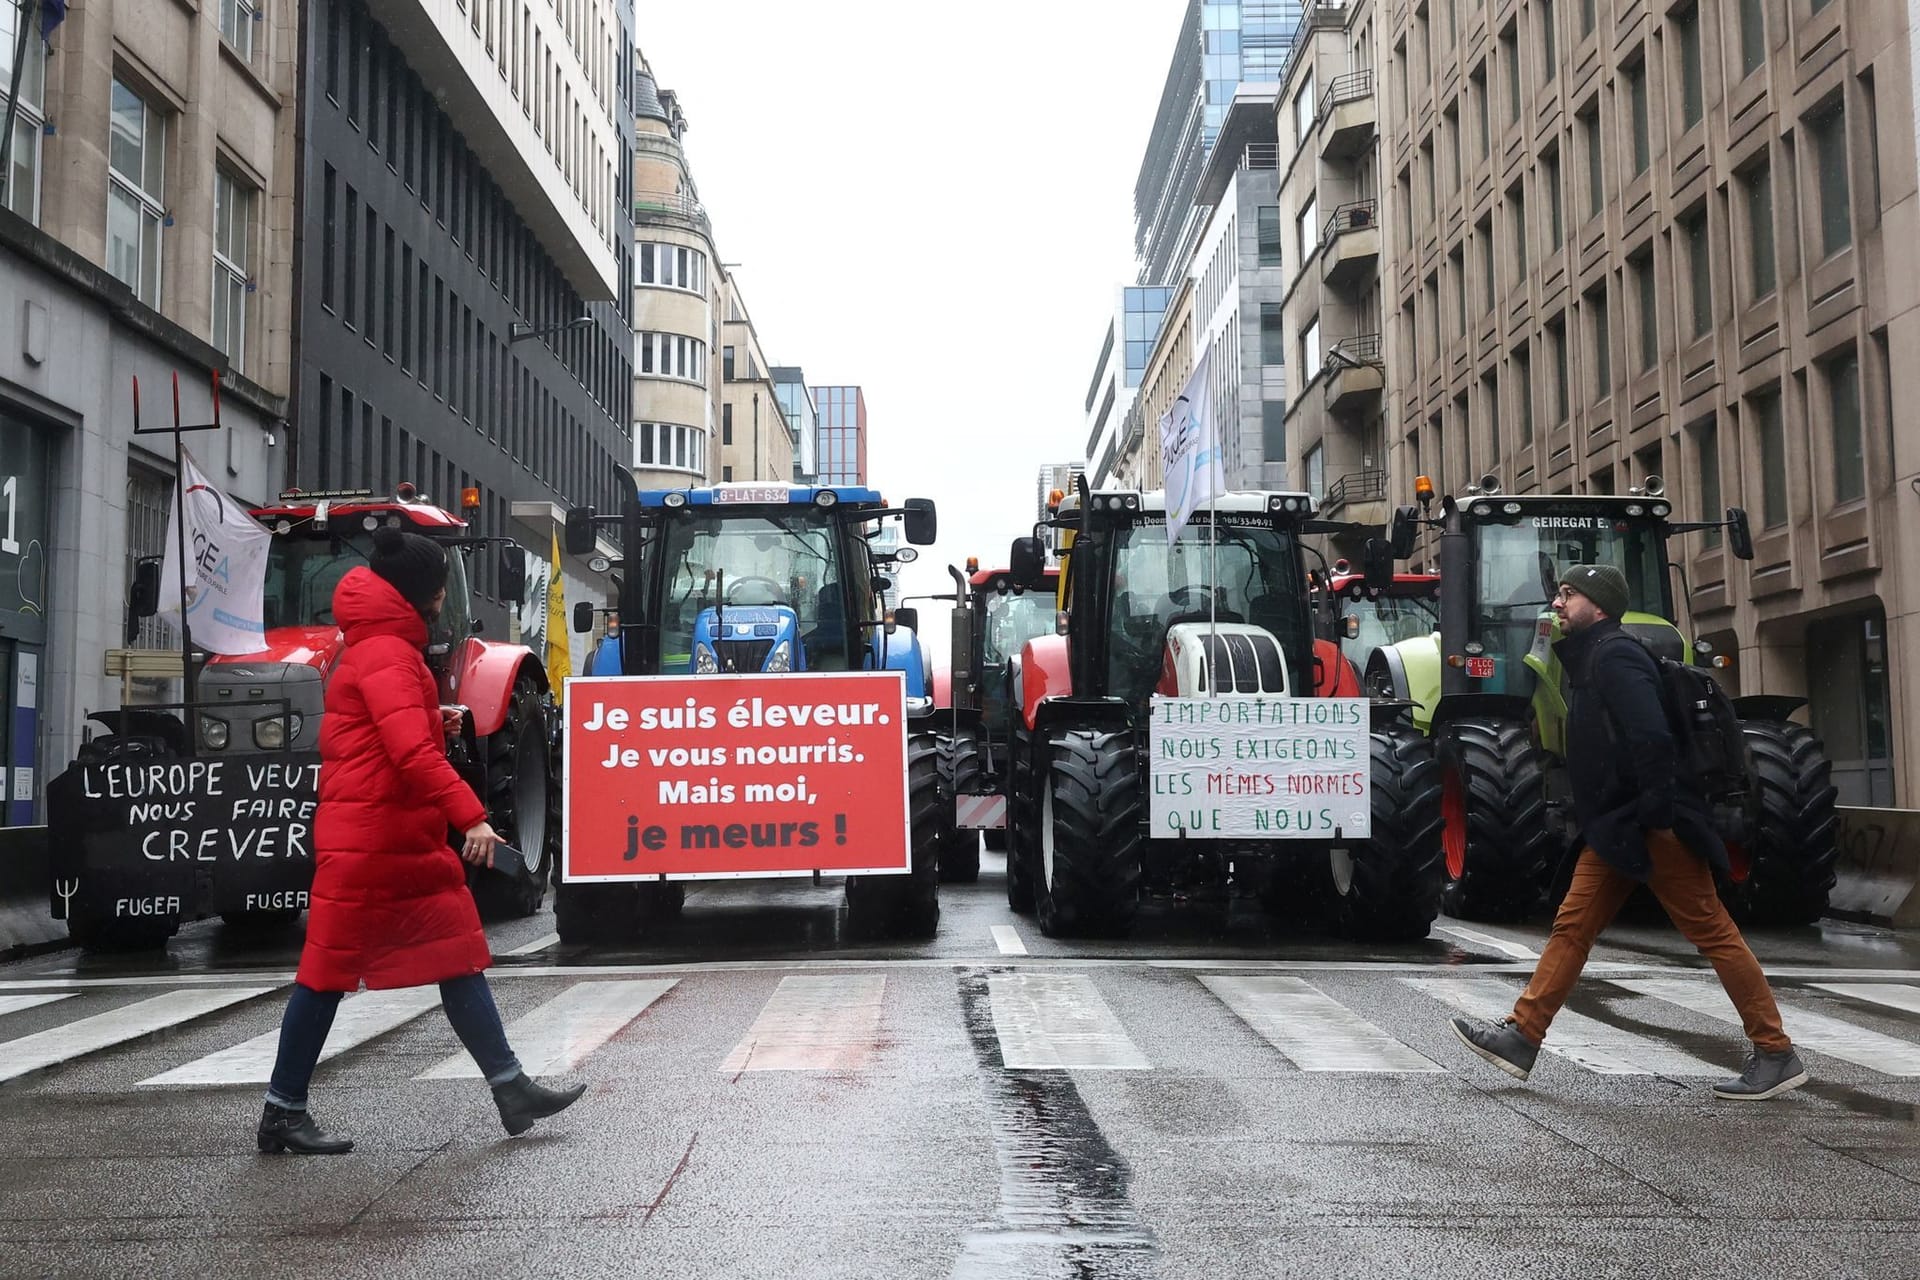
x=959 y=775
x=1494 y=809
x=1089 y=835
x=1023 y=819
x=907 y=905
x=593 y=913
x=1789 y=862
x=1388 y=886
x=522 y=802
x=94 y=934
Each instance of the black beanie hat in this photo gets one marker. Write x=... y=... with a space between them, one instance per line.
x=1603 y=584
x=416 y=566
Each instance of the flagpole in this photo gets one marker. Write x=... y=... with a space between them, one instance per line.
x=189 y=684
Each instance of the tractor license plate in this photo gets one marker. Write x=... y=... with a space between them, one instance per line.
x=729 y=493
x=1480 y=668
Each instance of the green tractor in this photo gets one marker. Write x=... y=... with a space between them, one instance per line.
x=1489 y=689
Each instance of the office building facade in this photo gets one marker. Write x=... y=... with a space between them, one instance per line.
x=841 y=450
x=803 y=421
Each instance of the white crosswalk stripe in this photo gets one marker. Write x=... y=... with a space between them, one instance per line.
x=1595 y=1045
x=1893 y=995
x=1058 y=1021
x=14 y=1004
x=559 y=1034
x=1313 y=1030
x=1808 y=1029
x=359 y=1019
x=116 y=1026
x=1008 y=939
x=814 y=1023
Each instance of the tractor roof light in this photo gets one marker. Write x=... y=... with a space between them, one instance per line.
x=1482 y=509
x=1510 y=508
x=1660 y=510
x=973 y=564
x=827 y=498
x=676 y=500
x=369 y=522
x=470 y=498
x=1054 y=498
x=1423 y=489
x=1635 y=509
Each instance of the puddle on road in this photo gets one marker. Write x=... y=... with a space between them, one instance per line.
x=1065 y=1202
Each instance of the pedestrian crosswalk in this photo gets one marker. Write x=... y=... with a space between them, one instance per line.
x=1046 y=1018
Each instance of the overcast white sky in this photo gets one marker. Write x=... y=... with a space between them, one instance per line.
x=934 y=201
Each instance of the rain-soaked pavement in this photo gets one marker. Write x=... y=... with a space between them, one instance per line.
x=1217 y=1096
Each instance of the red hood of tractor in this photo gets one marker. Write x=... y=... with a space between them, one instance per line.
x=310 y=646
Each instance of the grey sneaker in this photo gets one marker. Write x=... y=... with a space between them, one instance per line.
x=1767 y=1074
x=1499 y=1043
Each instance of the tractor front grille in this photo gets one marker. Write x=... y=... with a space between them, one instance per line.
x=1239 y=663
x=743 y=656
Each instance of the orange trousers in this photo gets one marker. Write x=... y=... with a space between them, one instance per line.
x=1684 y=885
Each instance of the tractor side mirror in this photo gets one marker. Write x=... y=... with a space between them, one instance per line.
x=923 y=524
x=583 y=616
x=1739 y=533
x=907 y=616
x=1406 y=527
x=580 y=531
x=143 y=600
x=882 y=583
x=1027 y=563
x=513 y=573
x=1378 y=561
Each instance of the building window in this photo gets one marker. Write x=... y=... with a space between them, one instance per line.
x=1273 y=345
x=726 y=363
x=1517 y=213
x=23 y=161
x=1309 y=229
x=1646 y=297
x=1828 y=129
x=1310 y=349
x=1693 y=94
x=1480 y=110
x=1523 y=393
x=233 y=208
x=1771 y=437
x=329 y=230
x=1557 y=347
x=1638 y=107
x=136 y=192
x=1596 y=162
x=1304 y=105
x=673 y=267
x=1549 y=46
x=1706 y=442
x=1483 y=232
x=1753 y=36
x=1756 y=185
x=236 y=25
x=1510 y=68
x=1316 y=468
x=1843 y=406
x=1587 y=17
x=1269 y=230
x=726 y=424
x=1490 y=402
x=1556 y=223
x=670 y=355
x=1693 y=231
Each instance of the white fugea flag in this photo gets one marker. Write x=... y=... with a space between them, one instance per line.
x=1190 y=450
x=226 y=568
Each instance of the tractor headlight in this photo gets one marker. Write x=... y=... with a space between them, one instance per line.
x=676 y=499
x=270 y=734
x=1660 y=509
x=1482 y=509
x=825 y=498
x=1635 y=509
x=781 y=659
x=213 y=733
x=704 y=661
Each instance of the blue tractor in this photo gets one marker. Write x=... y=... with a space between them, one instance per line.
x=760 y=579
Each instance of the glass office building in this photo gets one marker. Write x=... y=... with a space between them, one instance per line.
x=841 y=449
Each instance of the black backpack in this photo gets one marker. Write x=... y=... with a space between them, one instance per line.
x=1709 y=744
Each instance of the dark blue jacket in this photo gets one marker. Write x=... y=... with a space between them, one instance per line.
x=1622 y=762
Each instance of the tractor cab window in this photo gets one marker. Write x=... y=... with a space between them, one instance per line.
x=456 y=611
x=302 y=572
x=1013 y=619
x=1387 y=620
x=1251 y=576
x=787 y=560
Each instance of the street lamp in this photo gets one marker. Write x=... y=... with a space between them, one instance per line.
x=519 y=331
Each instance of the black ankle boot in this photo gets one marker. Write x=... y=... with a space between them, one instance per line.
x=522 y=1100
x=294 y=1131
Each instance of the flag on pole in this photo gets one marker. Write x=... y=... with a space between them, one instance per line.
x=559 y=651
x=52 y=14
x=227 y=570
x=1190 y=450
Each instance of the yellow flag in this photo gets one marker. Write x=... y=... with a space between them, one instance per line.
x=559 y=654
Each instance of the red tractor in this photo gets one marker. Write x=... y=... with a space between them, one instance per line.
x=247 y=747
x=1362 y=618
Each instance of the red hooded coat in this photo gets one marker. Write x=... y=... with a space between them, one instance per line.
x=390 y=903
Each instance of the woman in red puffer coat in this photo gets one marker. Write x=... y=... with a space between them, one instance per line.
x=390 y=906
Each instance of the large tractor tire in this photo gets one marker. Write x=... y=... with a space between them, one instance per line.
x=597 y=913
x=1782 y=875
x=960 y=771
x=907 y=905
x=91 y=933
x=1023 y=822
x=523 y=804
x=1387 y=887
x=1089 y=832
x=1499 y=851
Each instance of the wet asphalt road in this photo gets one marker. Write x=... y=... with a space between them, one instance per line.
x=768 y=1100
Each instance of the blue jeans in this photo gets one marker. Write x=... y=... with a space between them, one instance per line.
x=468 y=1003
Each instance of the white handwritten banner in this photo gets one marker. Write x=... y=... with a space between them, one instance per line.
x=1237 y=768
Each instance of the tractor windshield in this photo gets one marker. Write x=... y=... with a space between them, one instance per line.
x=1252 y=576
x=1012 y=619
x=1521 y=564
x=302 y=573
x=790 y=558
x=1387 y=620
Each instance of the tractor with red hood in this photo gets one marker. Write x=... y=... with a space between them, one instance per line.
x=208 y=807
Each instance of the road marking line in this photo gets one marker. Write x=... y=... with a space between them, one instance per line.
x=559 y=1034
x=1057 y=1021
x=1311 y=1029
x=1809 y=1030
x=13 y=1004
x=1589 y=1042
x=116 y=1026
x=1479 y=939
x=1008 y=939
x=359 y=1019
x=1893 y=995
x=814 y=1023
x=539 y=944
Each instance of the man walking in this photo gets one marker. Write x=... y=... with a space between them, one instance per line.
x=1642 y=821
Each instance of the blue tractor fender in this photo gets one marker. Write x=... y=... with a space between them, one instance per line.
x=901 y=651
x=605 y=660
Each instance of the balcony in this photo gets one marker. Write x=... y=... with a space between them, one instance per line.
x=1349 y=116
x=674 y=208
x=1361 y=495
x=1350 y=245
x=1355 y=374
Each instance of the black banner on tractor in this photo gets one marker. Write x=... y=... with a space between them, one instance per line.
x=180 y=837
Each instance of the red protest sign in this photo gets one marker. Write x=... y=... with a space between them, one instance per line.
x=720 y=775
